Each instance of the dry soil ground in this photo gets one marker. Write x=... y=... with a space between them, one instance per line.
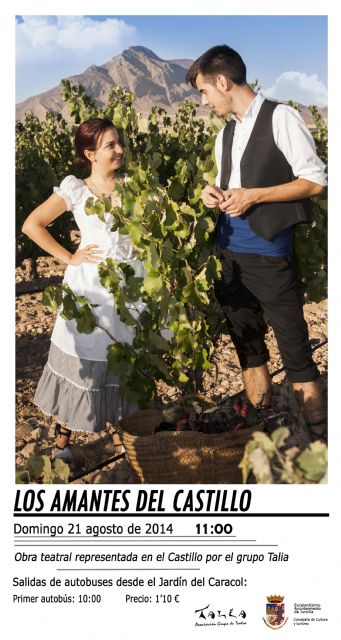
x=35 y=431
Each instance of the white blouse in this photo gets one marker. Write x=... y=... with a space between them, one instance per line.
x=84 y=280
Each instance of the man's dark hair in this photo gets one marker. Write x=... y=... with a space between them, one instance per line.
x=218 y=60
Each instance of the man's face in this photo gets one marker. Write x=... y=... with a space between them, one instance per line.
x=215 y=93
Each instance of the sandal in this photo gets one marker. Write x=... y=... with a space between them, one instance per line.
x=118 y=444
x=61 y=431
x=62 y=453
x=318 y=431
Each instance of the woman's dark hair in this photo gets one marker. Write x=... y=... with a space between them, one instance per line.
x=87 y=136
x=220 y=59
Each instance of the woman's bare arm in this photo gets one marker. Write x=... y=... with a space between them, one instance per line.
x=35 y=228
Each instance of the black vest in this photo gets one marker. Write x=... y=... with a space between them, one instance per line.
x=264 y=165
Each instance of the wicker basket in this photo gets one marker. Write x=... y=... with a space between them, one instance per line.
x=181 y=457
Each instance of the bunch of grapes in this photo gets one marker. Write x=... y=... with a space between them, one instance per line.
x=231 y=416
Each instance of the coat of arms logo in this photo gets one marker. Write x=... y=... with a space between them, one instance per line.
x=275 y=612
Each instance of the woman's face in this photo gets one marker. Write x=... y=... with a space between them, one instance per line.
x=109 y=152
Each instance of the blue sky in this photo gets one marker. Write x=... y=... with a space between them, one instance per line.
x=288 y=54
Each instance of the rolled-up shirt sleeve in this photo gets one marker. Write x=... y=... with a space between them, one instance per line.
x=295 y=141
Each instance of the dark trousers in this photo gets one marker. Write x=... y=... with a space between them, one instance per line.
x=253 y=286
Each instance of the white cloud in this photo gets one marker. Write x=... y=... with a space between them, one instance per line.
x=41 y=35
x=299 y=87
x=49 y=48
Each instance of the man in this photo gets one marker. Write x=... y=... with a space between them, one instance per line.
x=267 y=170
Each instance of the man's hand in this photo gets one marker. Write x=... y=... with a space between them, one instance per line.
x=237 y=201
x=212 y=196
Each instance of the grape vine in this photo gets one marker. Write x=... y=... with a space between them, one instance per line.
x=168 y=161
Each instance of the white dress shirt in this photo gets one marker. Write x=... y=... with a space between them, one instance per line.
x=291 y=136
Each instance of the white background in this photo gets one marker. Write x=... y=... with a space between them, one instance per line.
x=313 y=544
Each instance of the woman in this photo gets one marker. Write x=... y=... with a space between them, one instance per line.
x=76 y=385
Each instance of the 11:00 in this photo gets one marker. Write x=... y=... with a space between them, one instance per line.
x=213 y=529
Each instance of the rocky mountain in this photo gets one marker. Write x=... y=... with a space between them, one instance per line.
x=153 y=81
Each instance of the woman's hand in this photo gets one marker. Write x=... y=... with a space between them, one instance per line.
x=89 y=254
x=212 y=196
